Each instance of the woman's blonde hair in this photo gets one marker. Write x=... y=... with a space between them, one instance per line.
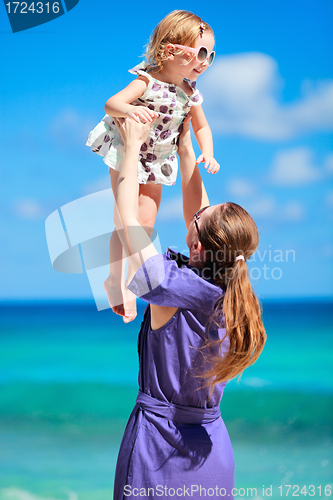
x=181 y=27
x=229 y=233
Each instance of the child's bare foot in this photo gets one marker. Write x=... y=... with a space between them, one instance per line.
x=129 y=305
x=130 y=311
x=122 y=301
x=118 y=309
x=114 y=295
x=127 y=311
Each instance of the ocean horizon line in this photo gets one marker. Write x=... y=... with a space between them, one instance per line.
x=57 y=302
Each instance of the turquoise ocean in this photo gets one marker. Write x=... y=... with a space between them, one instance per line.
x=68 y=382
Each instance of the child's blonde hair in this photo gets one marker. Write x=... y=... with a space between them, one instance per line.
x=181 y=27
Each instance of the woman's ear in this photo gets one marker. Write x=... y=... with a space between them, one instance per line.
x=197 y=248
x=197 y=253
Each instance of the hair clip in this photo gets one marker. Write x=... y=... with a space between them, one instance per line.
x=202 y=28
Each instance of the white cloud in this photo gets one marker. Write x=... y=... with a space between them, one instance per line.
x=259 y=207
x=70 y=129
x=263 y=207
x=293 y=211
x=327 y=251
x=29 y=208
x=241 y=96
x=328 y=164
x=294 y=167
x=241 y=187
x=171 y=209
x=329 y=199
x=266 y=207
x=98 y=185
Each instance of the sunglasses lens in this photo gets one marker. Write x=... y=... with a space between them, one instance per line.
x=202 y=54
x=211 y=58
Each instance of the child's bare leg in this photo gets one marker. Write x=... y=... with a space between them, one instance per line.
x=114 y=284
x=148 y=204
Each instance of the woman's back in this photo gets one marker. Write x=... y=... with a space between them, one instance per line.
x=173 y=357
x=175 y=437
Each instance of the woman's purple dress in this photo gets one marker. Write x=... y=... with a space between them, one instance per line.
x=175 y=442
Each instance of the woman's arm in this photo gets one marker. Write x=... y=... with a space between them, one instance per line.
x=204 y=137
x=134 y=238
x=194 y=192
x=118 y=105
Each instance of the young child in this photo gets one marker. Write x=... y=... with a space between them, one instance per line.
x=164 y=93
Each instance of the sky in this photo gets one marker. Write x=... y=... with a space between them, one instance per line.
x=268 y=98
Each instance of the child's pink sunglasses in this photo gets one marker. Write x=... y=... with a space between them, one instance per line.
x=201 y=53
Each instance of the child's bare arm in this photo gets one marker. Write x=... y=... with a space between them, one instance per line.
x=204 y=137
x=194 y=192
x=119 y=104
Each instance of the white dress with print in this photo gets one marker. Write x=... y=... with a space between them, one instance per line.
x=157 y=161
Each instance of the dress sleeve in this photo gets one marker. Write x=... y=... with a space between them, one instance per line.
x=141 y=70
x=196 y=98
x=160 y=281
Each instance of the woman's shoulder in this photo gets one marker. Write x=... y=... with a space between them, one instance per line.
x=168 y=280
x=179 y=258
x=183 y=261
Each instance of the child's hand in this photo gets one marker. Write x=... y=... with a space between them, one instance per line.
x=210 y=163
x=141 y=114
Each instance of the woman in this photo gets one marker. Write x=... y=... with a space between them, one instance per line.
x=202 y=328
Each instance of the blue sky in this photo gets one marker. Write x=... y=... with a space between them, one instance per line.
x=268 y=98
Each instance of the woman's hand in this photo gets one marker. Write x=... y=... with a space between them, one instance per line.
x=131 y=131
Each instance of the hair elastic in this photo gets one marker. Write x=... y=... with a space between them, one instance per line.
x=239 y=257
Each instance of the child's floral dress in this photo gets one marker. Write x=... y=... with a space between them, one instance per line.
x=158 y=161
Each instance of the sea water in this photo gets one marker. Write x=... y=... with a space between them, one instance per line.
x=68 y=381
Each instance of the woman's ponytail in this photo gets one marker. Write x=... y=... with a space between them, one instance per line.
x=239 y=311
